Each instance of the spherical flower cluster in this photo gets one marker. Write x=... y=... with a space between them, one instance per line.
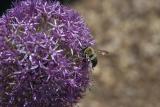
x=41 y=58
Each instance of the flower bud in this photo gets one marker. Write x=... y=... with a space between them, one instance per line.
x=41 y=58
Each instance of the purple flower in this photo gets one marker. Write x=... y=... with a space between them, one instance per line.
x=41 y=58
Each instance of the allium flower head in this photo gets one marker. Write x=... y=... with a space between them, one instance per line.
x=41 y=58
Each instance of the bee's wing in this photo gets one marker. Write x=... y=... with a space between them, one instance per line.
x=102 y=52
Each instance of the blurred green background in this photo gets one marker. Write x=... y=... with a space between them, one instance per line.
x=130 y=31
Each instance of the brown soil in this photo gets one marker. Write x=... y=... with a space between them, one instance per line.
x=130 y=31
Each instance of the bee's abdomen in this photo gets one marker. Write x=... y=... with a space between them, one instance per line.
x=94 y=60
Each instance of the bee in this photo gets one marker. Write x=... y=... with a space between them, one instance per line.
x=91 y=54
